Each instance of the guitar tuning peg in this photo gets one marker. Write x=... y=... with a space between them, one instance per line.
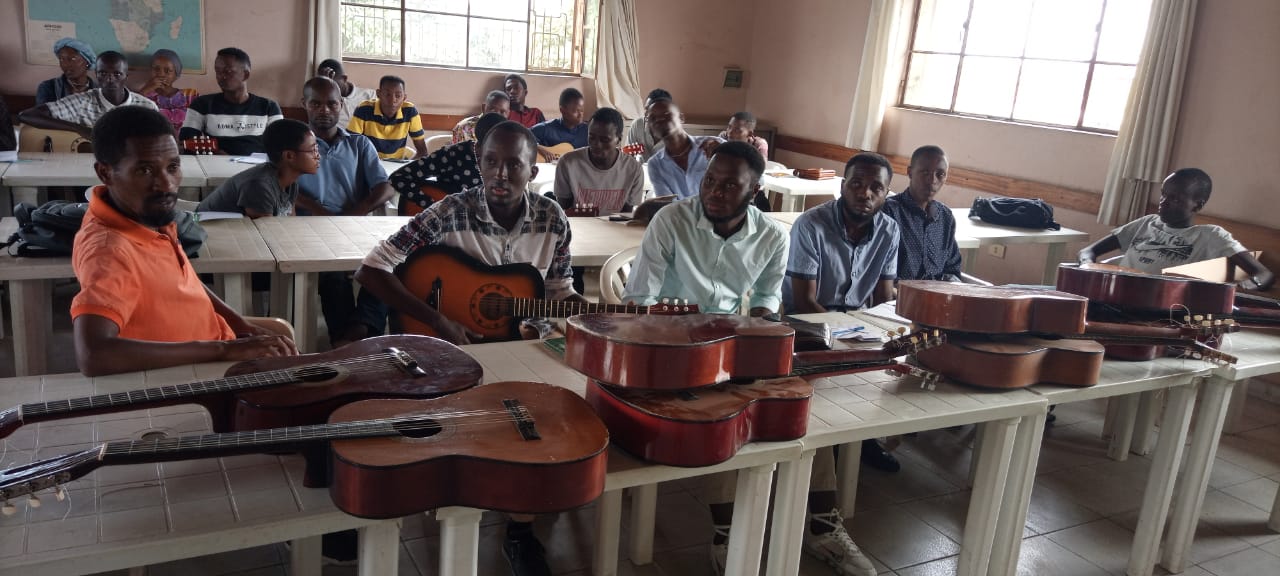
x=8 y=509
x=34 y=501
x=1198 y=317
x=902 y=330
x=1208 y=316
x=665 y=301
x=60 y=493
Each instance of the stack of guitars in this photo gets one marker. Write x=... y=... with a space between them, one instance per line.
x=691 y=390
x=814 y=173
x=392 y=425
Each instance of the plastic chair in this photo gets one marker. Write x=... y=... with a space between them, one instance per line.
x=771 y=166
x=613 y=275
x=437 y=142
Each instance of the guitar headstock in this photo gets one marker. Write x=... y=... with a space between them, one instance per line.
x=1200 y=351
x=672 y=307
x=28 y=479
x=1207 y=327
x=10 y=421
x=200 y=145
x=633 y=149
x=928 y=378
x=903 y=343
x=582 y=211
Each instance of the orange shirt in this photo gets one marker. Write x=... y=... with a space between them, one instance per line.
x=140 y=279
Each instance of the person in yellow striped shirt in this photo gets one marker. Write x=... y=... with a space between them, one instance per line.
x=390 y=122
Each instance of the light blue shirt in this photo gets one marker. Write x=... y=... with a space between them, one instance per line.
x=667 y=176
x=349 y=169
x=847 y=273
x=682 y=257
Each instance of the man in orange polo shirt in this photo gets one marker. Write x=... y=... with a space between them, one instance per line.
x=140 y=305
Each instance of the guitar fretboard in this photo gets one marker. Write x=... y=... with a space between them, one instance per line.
x=250 y=441
x=531 y=308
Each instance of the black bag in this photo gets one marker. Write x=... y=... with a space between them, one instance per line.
x=1031 y=213
x=50 y=229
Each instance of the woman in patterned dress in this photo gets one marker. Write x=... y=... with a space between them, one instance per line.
x=166 y=68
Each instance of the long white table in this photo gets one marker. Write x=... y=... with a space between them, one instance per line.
x=991 y=234
x=132 y=516
x=233 y=250
x=41 y=170
x=219 y=168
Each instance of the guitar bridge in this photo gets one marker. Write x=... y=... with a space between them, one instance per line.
x=406 y=362
x=524 y=422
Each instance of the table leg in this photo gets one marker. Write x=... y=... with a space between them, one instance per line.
x=1144 y=426
x=608 y=524
x=969 y=259
x=380 y=548
x=791 y=201
x=1160 y=481
x=984 y=502
x=304 y=556
x=459 y=540
x=979 y=432
x=750 y=511
x=31 y=305
x=1056 y=252
x=1007 y=544
x=281 y=290
x=790 y=508
x=1235 y=409
x=847 y=468
x=1195 y=478
x=237 y=292
x=304 y=311
x=1274 y=522
x=1127 y=414
x=644 y=511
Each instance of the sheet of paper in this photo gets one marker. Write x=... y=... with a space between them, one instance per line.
x=255 y=158
x=887 y=311
x=9 y=156
x=213 y=215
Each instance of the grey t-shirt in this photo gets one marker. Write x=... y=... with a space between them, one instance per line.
x=257 y=189
x=1151 y=245
x=578 y=180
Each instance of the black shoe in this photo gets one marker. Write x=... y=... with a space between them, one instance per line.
x=877 y=457
x=339 y=548
x=525 y=555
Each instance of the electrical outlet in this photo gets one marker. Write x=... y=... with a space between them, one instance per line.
x=996 y=250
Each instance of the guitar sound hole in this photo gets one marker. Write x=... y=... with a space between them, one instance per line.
x=315 y=373
x=493 y=306
x=418 y=428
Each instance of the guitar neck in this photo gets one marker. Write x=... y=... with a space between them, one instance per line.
x=531 y=308
x=839 y=361
x=236 y=443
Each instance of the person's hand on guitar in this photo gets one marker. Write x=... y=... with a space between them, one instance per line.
x=253 y=347
x=455 y=332
x=709 y=146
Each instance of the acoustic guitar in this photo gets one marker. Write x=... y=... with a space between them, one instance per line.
x=201 y=145
x=490 y=300
x=1120 y=291
x=517 y=447
x=559 y=150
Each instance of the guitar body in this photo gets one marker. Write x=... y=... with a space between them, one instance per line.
x=456 y=284
x=559 y=150
x=991 y=309
x=487 y=464
x=704 y=426
x=1015 y=362
x=447 y=369
x=677 y=352
x=1129 y=289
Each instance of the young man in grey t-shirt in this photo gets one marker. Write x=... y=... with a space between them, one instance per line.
x=270 y=189
x=600 y=174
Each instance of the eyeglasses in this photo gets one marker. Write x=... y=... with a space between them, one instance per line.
x=314 y=150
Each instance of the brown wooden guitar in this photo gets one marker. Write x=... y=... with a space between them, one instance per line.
x=518 y=447
x=490 y=300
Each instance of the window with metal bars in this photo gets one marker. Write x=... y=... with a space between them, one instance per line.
x=1065 y=63
x=554 y=36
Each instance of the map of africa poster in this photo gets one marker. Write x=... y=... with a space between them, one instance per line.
x=135 y=27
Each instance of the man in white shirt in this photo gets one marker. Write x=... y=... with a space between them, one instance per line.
x=78 y=112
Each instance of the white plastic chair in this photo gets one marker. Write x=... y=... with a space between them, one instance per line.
x=613 y=275
x=437 y=142
x=771 y=166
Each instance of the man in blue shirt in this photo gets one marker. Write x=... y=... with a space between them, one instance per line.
x=568 y=128
x=677 y=169
x=928 y=250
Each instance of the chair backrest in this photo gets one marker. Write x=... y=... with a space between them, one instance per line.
x=613 y=275
x=435 y=193
x=438 y=141
x=32 y=139
x=771 y=166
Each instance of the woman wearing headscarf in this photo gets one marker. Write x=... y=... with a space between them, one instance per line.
x=76 y=59
x=166 y=68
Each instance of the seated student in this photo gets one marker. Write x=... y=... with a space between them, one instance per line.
x=453 y=168
x=928 y=250
x=269 y=189
x=140 y=304
x=742 y=128
x=498 y=222
x=234 y=117
x=676 y=170
x=600 y=174
x=166 y=68
x=496 y=102
x=76 y=59
x=1171 y=237
x=517 y=89
x=78 y=112
x=639 y=132
x=391 y=122
x=568 y=128
x=352 y=95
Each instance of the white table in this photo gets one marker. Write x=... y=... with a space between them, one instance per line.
x=991 y=234
x=131 y=516
x=233 y=250
x=794 y=190
x=219 y=168
x=41 y=170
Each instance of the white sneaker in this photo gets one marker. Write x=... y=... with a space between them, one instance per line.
x=836 y=548
x=720 y=552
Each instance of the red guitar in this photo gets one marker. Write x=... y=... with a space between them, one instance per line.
x=633 y=149
x=201 y=146
x=519 y=447
x=1115 y=289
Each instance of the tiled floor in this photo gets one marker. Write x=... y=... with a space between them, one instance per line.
x=1081 y=522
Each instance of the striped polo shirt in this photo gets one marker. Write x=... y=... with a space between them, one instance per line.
x=390 y=136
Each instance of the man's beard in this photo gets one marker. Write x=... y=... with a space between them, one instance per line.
x=723 y=219
x=158 y=219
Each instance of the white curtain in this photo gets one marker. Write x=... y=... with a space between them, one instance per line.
x=324 y=36
x=618 y=65
x=882 y=57
x=1140 y=159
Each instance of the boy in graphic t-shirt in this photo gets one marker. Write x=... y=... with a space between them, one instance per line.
x=234 y=117
x=1169 y=238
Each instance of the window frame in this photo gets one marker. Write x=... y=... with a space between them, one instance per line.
x=579 y=49
x=1093 y=62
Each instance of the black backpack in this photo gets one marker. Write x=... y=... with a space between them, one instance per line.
x=1031 y=213
x=50 y=229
